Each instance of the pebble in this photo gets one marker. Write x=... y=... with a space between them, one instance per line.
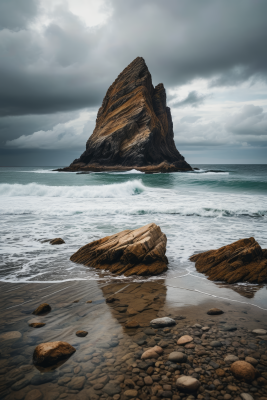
x=162 y=322
x=148 y=380
x=216 y=343
x=131 y=393
x=112 y=387
x=184 y=340
x=187 y=383
x=231 y=358
x=36 y=324
x=152 y=353
x=246 y=396
x=81 y=333
x=251 y=360
x=259 y=331
x=177 y=356
x=215 y=311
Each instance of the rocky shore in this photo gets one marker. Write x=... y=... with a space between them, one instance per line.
x=192 y=358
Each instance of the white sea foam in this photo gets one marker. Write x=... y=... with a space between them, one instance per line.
x=129 y=188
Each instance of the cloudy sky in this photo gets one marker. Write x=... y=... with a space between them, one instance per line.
x=58 y=58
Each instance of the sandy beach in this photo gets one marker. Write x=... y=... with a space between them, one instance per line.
x=107 y=363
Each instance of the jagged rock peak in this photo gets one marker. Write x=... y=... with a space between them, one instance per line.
x=133 y=127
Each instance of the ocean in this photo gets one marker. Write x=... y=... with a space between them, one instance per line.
x=198 y=211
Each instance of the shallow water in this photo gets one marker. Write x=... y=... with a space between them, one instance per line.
x=197 y=211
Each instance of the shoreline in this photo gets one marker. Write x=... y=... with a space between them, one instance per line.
x=98 y=359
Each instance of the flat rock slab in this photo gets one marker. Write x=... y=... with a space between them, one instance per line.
x=187 y=384
x=130 y=252
x=112 y=388
x=50 y=353
x=162 y=322
x=11 y=335
x=184 y=340
x=241 y=261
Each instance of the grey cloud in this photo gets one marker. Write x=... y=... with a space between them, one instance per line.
x=190 y=119
x=193 y=99
x=251 y=121
x=16 y=14
x=70 y=66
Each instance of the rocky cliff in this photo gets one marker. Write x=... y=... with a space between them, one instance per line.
x=133 y=128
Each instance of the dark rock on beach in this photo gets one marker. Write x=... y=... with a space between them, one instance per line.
x=134 y=128
x=50 y=353
x=131 y=252
x=241 y=261
x=42 y=309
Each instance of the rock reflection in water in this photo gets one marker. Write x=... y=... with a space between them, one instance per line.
x=137 y=304
x=247 y=290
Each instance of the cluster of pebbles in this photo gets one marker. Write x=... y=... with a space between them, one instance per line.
x=203 y=361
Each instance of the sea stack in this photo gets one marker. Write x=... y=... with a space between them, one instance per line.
x=133 y=129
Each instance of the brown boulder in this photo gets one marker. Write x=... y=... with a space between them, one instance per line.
x=50 y=353
x=154 y=352
x=81 y=333
x=56 y=241
x=214 y=311
x=42 y=309
x=241 y=261
x=134 y=128
x=37 y=324
x=243 y=370
x=131 y=252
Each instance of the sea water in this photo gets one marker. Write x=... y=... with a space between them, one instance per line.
x=198 y=211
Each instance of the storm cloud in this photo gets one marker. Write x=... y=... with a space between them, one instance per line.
x=56 y=64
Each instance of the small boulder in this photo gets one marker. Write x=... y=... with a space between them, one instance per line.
x=152 y=353
x=131 y=393
x=42 y=309
x=81 y=333
x=37 y=324
x=246 y=396
x=177 y=356
x=50 y=353
x=187 y=384
x=34 y=394
x=184 y=340
x=57 y=241
x=215 y=311
x=243 y=370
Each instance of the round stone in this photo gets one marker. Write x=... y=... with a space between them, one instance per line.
x=205 y=328
x=187 y=384
x=216 y=343
x=162 y=322
x=131 y=393
x=50 y=353
x=148 y=380
x=81 y=333
x=184 y=340
x=243 y=370
x=215 y=311
x=231 y=358
x=177 y=356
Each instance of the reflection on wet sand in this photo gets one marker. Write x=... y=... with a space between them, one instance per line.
x=137 y=303
x=247 y=290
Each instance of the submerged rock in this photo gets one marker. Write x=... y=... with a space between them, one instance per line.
x=154 y=352
x=241 y=261
x=57 y=241
x=187 y=384
x=161 y=322
x=50 y=353
x=37 y=324
x=243 y=370
x=131 y=252
x=134 y=128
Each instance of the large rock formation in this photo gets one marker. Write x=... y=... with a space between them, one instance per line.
x=241 y=261
x=133 y=128
x=130 y=252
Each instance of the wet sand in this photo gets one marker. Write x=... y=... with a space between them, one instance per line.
x=110 y=353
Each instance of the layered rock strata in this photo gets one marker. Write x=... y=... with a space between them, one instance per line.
x=133 y=129
x=130 y=252
x=241 y=261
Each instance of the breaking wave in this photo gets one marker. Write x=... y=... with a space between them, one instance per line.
x=129 y=188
